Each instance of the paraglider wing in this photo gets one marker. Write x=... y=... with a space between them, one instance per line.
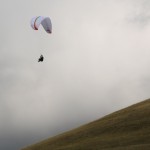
x=45 y=21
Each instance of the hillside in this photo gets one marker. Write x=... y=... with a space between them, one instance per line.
x=126 y=129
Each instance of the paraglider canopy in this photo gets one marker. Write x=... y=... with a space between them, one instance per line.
x=41 y=58
x=45 y=21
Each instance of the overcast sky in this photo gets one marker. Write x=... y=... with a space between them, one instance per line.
x=97 y=60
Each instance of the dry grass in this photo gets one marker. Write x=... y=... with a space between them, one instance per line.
x=127 y=129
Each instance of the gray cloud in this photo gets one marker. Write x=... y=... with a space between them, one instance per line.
x=140 y=13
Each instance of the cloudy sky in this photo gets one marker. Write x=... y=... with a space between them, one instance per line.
x=97 y=60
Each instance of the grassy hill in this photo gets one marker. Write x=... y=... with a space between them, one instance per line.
x=126 y=129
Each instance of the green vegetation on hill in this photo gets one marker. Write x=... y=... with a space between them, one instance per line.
x=127 y=129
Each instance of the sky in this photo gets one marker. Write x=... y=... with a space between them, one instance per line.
x=96 y=62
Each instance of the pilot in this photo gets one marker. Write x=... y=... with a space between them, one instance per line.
x=41 y=58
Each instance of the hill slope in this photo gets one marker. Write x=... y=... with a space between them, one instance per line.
x=127 y=129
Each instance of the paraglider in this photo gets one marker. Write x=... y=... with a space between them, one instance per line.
x=41 y=58
x=44 y=21
x=47 y=25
